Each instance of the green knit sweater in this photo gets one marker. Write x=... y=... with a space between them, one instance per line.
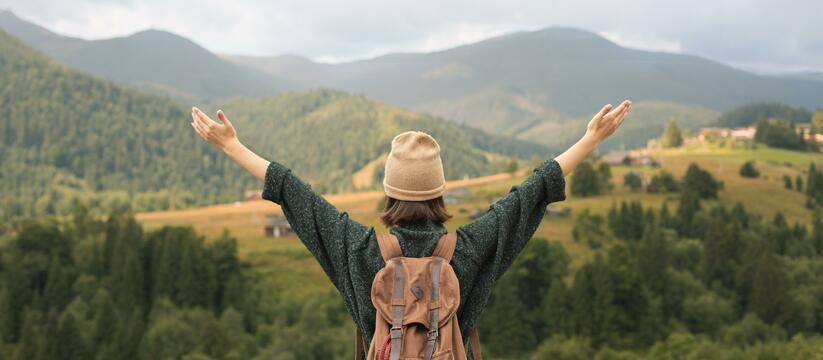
x=348 y=253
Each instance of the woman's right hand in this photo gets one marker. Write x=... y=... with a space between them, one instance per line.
x=605 y=122
x=222 y=136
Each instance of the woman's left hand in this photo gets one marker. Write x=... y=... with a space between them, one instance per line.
x=222 y=136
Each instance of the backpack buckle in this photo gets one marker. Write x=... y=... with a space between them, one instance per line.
x=433 y=334
x=396 y=332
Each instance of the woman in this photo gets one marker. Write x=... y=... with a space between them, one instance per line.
x=414 y=184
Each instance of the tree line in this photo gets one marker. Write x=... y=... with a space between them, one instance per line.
x=84 y=288
x=693 y=282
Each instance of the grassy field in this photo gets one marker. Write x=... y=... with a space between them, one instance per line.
x=285 y=262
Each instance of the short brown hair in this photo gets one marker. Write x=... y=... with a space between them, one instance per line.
x=400 y=211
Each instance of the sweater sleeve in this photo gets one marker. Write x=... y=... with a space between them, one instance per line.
x=324 y=229
x=496 y=238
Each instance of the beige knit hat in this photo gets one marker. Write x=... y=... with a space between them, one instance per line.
x=414 y=171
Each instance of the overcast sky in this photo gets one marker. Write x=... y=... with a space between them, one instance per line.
x=764 y=35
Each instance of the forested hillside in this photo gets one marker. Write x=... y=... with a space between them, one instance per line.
x=69 y=138
x=328 y=135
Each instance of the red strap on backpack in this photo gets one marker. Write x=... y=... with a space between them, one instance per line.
x=385 y=349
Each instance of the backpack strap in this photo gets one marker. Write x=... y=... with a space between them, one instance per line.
x=359 y=345
x=434 y=309
x=474 y=340
x=445 y=246
x=389 y=246
x=397 y=308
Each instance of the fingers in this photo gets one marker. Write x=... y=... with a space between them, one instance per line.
x=223 y=118
x=605 y=110
x=199 y=131
x=622 y=116
x=204 y=119
x=620 y=111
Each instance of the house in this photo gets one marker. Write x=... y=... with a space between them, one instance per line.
x=737 y=134
x=277 y=226
x=617 y=158
x=740 y=134
x=818 y=138
x=630 y=158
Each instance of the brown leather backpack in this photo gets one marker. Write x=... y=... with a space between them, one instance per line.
x=416 y=301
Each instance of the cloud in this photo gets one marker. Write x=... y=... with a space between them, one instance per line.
x=747 y=33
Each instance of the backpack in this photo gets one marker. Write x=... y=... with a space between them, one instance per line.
x=416 y=301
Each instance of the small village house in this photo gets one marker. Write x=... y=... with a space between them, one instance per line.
x=277 y=226
x=630 y=158
x=737 y=134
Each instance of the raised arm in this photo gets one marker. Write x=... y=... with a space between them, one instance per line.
x=320 y=226
x=224 y=137
x=601 y=126
x=497 y=237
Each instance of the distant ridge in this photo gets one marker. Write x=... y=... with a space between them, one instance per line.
x=528 y=84
x=149 y=57
x=68 y=137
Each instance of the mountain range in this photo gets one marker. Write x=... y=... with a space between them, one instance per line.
x=156 y=61
x=67 y=137
x=527 y=84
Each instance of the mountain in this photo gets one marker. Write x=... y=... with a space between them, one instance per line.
x=154 y=60
x=519 y=83
x=568 y=70
x=527 y=85
x=67 y=137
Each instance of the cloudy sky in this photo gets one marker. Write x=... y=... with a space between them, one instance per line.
x=762 y=35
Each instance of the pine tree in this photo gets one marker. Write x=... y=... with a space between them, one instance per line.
x=127 y=338
x=105 y=320
x=770 y=287
x=689 y=206
x=31 y=336
x=672 y=136
x=787 y=182
x=222 y=253
x=127 y=283
x=51 y=348
x=653 y=259
x=196 y=283
x=72 y=345
x=817 y=232
x=58 y=292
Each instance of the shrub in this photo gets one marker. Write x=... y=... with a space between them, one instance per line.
x=748 y=170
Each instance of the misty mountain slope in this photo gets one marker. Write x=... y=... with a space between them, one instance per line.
x=151 y=59
x=67 y=137
x=568 y=70
x=544 y=85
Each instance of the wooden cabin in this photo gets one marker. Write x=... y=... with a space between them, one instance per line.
x=277 y=226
